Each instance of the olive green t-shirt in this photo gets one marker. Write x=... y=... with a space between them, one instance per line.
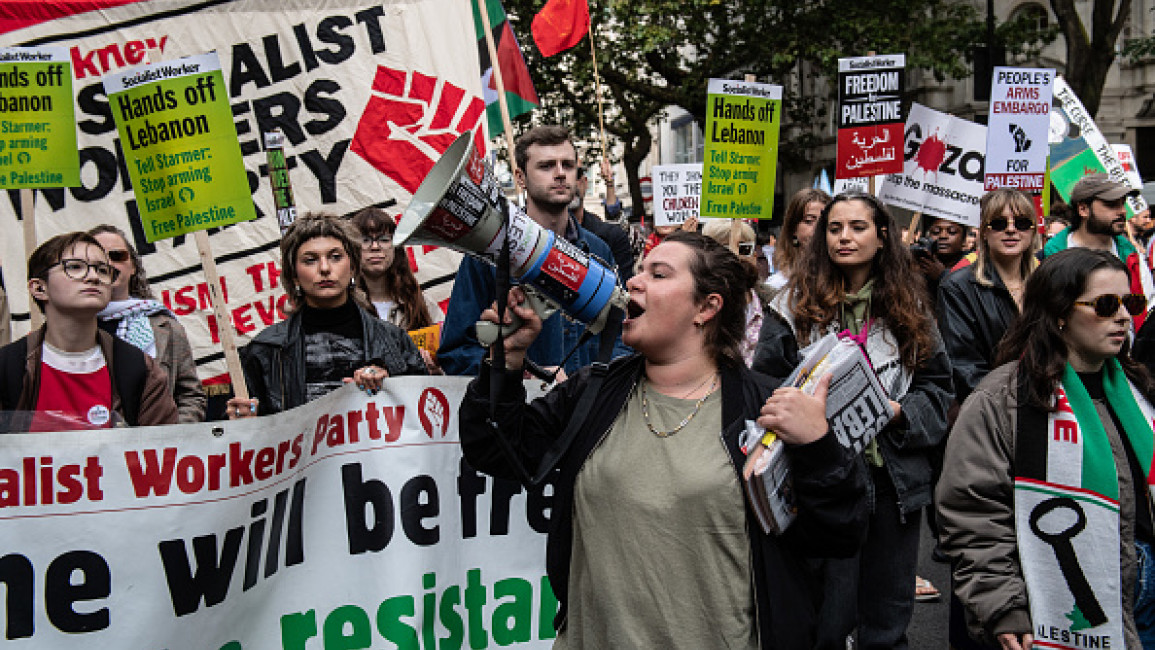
x=661 y=557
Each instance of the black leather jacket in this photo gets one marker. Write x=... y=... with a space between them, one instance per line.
x=973 y=319
x=274 y=362
x=829 y=485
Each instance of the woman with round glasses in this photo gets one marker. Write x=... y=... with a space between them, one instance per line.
x=71 y=374
x=135 y=316
x=329 y=338
x=858 y=277
x=977 y=303
x=1046 y=508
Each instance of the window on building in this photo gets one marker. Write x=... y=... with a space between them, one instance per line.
x=1036 y=13
x=688 y=145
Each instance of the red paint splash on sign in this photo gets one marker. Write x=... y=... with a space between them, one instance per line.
x=931 y=154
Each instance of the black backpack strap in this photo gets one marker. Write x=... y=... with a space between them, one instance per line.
x=130 y=371
x=13 y=359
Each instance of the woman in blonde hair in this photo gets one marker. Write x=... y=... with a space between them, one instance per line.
x=977 y=303
x=759 y=295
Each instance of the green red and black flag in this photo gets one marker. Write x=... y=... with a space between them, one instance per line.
x=519 y=93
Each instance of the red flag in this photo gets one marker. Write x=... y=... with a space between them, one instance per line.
x=560 y=25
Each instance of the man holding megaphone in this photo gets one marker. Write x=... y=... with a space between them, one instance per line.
x=547 y=170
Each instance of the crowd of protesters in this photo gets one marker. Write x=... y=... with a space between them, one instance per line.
x=986 y=351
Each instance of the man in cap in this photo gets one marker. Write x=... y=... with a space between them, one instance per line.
x=1099 y=220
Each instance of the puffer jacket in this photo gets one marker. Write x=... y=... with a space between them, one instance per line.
x=274 y=362
x=973 y=318
x=829 y=485
x=976 y=512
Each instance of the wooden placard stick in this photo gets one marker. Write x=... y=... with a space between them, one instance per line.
x=915 y=224
x=224 y=323
x=28 y=216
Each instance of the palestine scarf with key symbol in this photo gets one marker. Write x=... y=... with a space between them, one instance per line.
x=1067 y=510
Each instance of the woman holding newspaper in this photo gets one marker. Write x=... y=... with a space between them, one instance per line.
x=859 y=277
x=1045 y=508
x=653 y=544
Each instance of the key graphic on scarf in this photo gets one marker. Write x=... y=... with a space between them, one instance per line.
x=1060 y=541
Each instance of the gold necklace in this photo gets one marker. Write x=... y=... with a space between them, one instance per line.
x=684 y=422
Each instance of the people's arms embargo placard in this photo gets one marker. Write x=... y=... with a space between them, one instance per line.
x=1017 y=129
x=349 y=522
x=943 y=170
x=180 y=145
x=870 y=118
x=677 y=192
x=741 y=150
x=37 y=119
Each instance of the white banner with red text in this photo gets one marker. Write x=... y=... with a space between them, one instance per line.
x=350 y=522
x=366 y=93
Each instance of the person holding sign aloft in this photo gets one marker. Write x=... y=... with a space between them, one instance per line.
x=653 y=544
x=329 y=338
x=858 y=276
x=1045 y=505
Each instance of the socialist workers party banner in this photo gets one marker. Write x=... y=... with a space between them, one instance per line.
x=741 y=149
x=943 y=171
x=350 y=522
x=367 y=94
x=181 y=151
x=1017 y=129
x=679 y=190
x=1078 y=147
x=870 y=116
x=37 y=119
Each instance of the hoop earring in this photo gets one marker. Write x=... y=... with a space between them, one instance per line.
x=298 y=291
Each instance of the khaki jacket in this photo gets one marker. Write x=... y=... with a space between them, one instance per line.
x=976 y=517
x=174 y=354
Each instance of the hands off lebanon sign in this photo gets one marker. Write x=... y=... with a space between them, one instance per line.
x=350 y=522
x=741 y=151
x=37 y=119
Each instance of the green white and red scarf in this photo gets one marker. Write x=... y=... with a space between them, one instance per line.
x=1067 y=510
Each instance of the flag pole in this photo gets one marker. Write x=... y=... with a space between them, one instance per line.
x=484 y=11
x=598 y=92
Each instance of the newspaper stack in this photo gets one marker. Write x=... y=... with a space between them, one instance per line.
x=857 y=408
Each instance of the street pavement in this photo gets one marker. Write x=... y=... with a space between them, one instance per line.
x=928 y=627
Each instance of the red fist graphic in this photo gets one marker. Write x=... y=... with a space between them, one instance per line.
x=406 y=128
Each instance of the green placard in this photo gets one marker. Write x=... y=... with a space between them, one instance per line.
x=180 y=146
x=37 y=119
x=741 y=152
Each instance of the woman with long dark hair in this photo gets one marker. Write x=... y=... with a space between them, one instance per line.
x=798 y=226
x=329 y=338
x=1045 y=506
x=653 y=544
x=386 y=277
x=858 y=276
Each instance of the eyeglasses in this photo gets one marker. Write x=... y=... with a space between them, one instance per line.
x=118 y=255
x=746 y=248
x=381 y=240
x=1107 y=305
x=1022 y=224
x=78 y=270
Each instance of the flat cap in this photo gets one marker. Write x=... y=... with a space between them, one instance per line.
x=1102 y=187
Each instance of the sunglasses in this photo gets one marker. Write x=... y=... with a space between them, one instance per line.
x=1022 y=224
x=1107 y=305
x=120 y=255
x=746 y=248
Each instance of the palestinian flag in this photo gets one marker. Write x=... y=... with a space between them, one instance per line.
x=519 y=92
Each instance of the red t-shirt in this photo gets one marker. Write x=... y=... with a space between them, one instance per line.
x=75 y=391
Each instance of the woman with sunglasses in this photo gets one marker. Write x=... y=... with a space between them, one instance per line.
x=720 y=230
x=69 y=374
x=136 y=317
x=1045 y=508
x=329 y=338
x=858 y=276
x=977 y=303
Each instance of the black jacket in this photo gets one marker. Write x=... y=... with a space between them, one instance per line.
x=274 y=362
x=973 y=319
x=829 y=486
x=618 y=240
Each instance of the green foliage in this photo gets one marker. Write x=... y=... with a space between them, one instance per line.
x=658 y=53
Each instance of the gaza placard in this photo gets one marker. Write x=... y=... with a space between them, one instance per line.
x=870 y=118
x=1020 y=110
x=943 y=170
x=349 y=522
x=37 y=119
x=180 y=144
x=741 y=149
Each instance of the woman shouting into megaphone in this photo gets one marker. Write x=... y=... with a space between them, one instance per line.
x=653 y=544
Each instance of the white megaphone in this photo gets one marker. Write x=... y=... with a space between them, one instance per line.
x=459 y=205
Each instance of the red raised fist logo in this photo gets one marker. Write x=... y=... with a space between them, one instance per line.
x=411 y=120
x=433 y=412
